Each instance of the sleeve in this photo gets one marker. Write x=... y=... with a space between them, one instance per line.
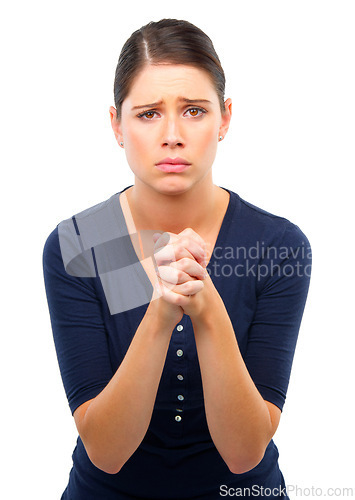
x=78 y=327
x=281 y=297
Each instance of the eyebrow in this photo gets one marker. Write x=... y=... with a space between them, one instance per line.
x=181 y=99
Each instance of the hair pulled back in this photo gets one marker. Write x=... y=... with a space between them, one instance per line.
x=169 y=41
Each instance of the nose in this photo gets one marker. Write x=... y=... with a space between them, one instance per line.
x=171 y=133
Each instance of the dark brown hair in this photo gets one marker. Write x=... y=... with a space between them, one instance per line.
x=167 y=41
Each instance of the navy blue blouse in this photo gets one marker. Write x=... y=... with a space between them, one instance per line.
x=261 y=267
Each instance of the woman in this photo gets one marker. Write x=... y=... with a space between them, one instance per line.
x=175 y=304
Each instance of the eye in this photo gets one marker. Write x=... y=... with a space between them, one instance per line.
x=147 y=114
x=196 y=111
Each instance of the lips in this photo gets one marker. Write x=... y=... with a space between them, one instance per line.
x=173 y=161
x=174 y=165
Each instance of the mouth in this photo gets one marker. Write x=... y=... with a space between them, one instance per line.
x=173 y=165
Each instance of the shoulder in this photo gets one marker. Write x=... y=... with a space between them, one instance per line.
x=51 y=249
x=260 y=224
x=76 y=235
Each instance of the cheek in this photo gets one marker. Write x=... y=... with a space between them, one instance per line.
x=207 y=140
x=137 y=136
x=138 y=143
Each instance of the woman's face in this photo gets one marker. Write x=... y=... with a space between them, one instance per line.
x=172 y=111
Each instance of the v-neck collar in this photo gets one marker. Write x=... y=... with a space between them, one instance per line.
x=222 y=234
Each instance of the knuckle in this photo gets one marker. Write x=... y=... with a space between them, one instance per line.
x=197 y=286
x=184 y=241
x=189 y=286
x=178 y=250
x=179 y=276
x=175 y=264
x=179 y=300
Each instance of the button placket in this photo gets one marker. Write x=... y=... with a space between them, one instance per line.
x=180 y=354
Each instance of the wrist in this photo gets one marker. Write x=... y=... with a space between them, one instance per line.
x=164 y=315
x=210 y=304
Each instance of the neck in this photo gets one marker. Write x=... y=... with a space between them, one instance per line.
x=174 y=213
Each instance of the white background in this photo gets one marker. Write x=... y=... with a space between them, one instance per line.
x=290 y=150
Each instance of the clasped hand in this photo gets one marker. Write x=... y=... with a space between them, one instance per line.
x=181 y=261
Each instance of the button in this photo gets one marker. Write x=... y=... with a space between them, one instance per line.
x=179 y=328
x=180 y=377
x=180 y=397
x=178 y=418
x=179 y=352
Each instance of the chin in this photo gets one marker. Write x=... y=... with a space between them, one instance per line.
x=172 y=185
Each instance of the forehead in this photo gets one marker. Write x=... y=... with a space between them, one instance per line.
x=169 y=81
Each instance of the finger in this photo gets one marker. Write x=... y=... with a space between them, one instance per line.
x=166 y=254
x=162 y=239
x=177 y=276
x=168 y=237
x=188 y=238
x=195 y=249
x=192 y=234
x=161 y=243
x=188 y=288
x=181 y=248
x=174 y=298
x=174 y=276
x=190 y=267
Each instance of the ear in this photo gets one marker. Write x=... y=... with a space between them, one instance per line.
x=116 y=125
x=226 y=118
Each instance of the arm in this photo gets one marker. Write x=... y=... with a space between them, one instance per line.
x=112 y=410
x=113 y=424
x=240 y=421
x=238 y=418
